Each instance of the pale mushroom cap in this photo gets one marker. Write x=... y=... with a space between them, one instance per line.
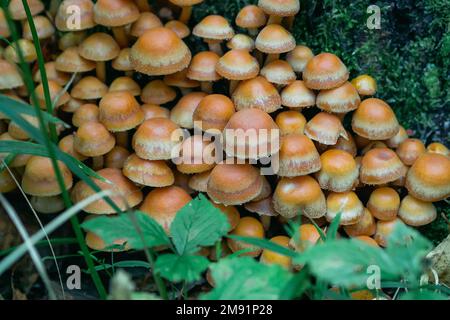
x=160 y=51
x=17 y=10
x=154 y=111
x=179 y=28
x=237 y=65
x=399 y=137
x=415 y=212
x=66 y=144
x=71 y=61
x=297 y=95
x=4 y=28
x=89 y=88
x=271 y=257
x=375 y=120
x=299 y=57
x=365 y=84
x=274 y=39
x=183 y=112
x=203 y=67
x=325 y=128
x=346 y=203
x=214 y=27
x=44 y=28
x=126 y=194
x=199 y=181
x=241 y=42
x=157 y=92
x=278 y=72
x=339 y=171
x=146 y=21
x=19 y=160
x=366 y=226
x=59 y=77
x=92 y=139
x=125 y=84
x=10 y=77
x=348 y=144
x=64 y=15
x=298 y=156
x=290 y=122
x=384 y=203
x=55 y=90
x=251 y=16
x=384 y=230
x=380 y=166
x=325 y=71
x=99 y=47
x=85 y=113
x=213 y=112
x=195 y=155
x=429 y=177
x=436 y=147
x=123 y=61
x=179 y=79
x=342 y=99
x=27 y=48
x=282 y=8
x=409 y=150
x=152 y=173
x=115 y=13
x=257 y=93
x=71 y=39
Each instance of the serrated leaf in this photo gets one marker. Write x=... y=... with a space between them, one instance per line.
x=123 y=227
x=246 y=279
x=178 y=268
x=198 y=224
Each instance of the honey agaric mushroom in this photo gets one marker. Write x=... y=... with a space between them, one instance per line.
x=264 y=207
x=10 y=77
x=415 y=212
x=96 y=243
x=214 y=29
x=297 y=95
x=4 y=28
x=325 y=128
x=251 y=17
x=274 y=40
x=348 y=144
x=365 y=84
x=183 y=112
x=299 y=57
x=89 y=88
x=59 y=77
x=262 y=133
x=19 y=160
x=186 y=8
x=179 y=28
x=64 y=15
x=125 y=84
x=247 y=227
x=347 y=204
x=325 y=71
x=380 y=166
x=278 y=9
x=116 y=157
x=86 y=113
x=384 y=203
x=241 y=42
x=116 y=14
x=180 y=80
x=368 y=240
x=232 y=214
x=16 y=131
x=157 y=92
x=58 y=96
x=375 y=120
x=396 y=140
x=271 y=257
x=203 y=69
x=429 y=177
x=409 y=150
x=25 y=46
x=384 y=230
x=66 y=145
x=7 y=183
x=308 y=235
x=156 y=138
x=92 y=139
x=125 y=194
x=123 y=62
x=290 y=122
x=257 y=93
x=298 y=156
x=199 y=181
x=152 y=173
x=213 y=112
x=47 y=205
x=39 y=178
x=70 y=61
x=437 y=147
x=366 y=226
x=342 y=99
x=99 y=47
x=17 y=10
x=278 y=72
x=233 y=184
x=71 y=39
x=182 y=181
x=296 y=195
x=195 y=155
x=162 y=204
x=44 y=28
x=119 y=111
x=145 y=22
x=154 y=111
x=159 y=51
x=339 y=172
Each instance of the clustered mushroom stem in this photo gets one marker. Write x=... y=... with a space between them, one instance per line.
x=143 y=5
x=121 y=36
x=274 y=20
x=290 y=22
x=97 y=163
x=272 y=57
x=215 y=47
x=122 y=139
x=101 y=70
x=253 y=32
x=185 y=14
x=233 y=85
x=185 y=91
x=206 y=86
x=265 y=220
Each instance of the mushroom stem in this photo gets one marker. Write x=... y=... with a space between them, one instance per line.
x=206 y=86
x=253 y=32
x=215 y=46
x=290 y=22
x=259 y=56
x=274 y=20
x=101 y=70
x=185 y=14
x=53 y=8
x=265 y=220
x=121 y=36
x=122 y=139
x=233 y=85
x=272 y=57
x=97 y=163
x=185 y=91
x=143 y=5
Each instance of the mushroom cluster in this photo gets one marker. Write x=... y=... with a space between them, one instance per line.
x=161 y=143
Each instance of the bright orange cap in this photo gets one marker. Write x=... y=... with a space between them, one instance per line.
x=183 y=112
x=365 y=84
x=257 y=93
x=115 y=13
x=290 y=122
x=278 y=72
x=384 y=203
x=347 y=204
x=325 y=128
x=237 y=65
x=380 y=166
x=92 y=139
x=342 y=99
x=298 y=156
x=152 y=173
x=247 y=227
x=339 y=172
x=409 y=150
x=271 y=257
x=214 y=27
x=415 y=212
x=297 y=95
x=325 y=71
x=203 y=67
x=119 y=111
x=274 y=39
x=251 y=17
x=213 y=112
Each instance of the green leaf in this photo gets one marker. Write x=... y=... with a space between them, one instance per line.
x=123 y=227
x=144 y=296
x=295 y=287
x=178 y=268
x=423 y=294
x=266 y=244
x=198 y=224
x=246 y=279
x=333 y=227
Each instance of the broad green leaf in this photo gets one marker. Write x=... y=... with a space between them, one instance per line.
x=123 y=227
x=298 y=284
x=178 y=268
x=266 y=244
x=198 y=224
x=246 y=279
x=423 y=294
